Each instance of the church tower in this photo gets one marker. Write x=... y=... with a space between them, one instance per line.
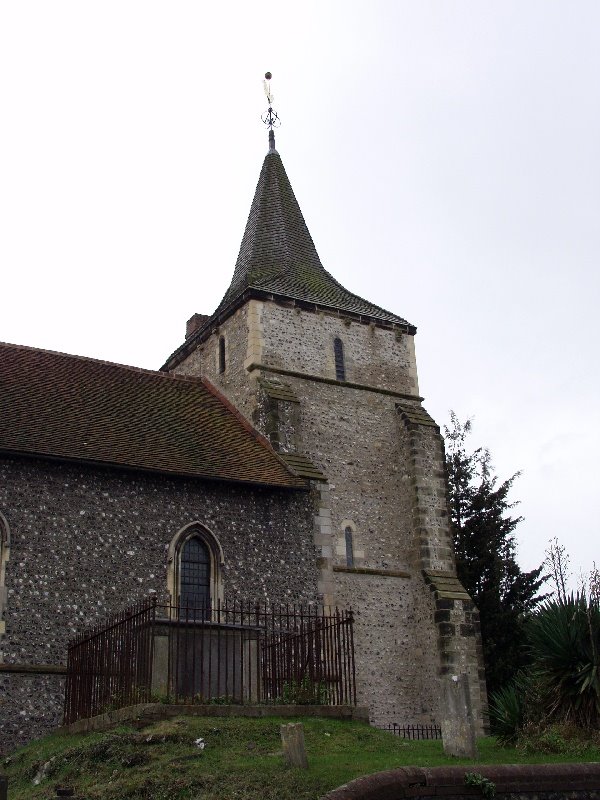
x=331 y=380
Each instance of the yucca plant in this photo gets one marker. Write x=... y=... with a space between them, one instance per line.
x=506 y=713
x=564 y=638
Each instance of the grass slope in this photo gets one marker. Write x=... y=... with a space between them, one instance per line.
x=241 y=760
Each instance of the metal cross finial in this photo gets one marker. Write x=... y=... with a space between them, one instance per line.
x=270 y=117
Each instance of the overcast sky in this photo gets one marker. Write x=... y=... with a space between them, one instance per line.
x=445 y=156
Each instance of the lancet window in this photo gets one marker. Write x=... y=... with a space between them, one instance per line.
x=195 y=575
x=222 y=362
x=349 y=546
x=194 y=571
x=338 y=354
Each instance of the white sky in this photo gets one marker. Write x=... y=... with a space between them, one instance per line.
x=445 y=156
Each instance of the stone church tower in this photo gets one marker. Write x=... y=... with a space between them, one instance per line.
x=331 y=380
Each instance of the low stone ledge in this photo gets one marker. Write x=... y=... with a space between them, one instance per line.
x=322 y=379
x=152 y=712
x=532 y=781
x=34 y=669
x=386 y=573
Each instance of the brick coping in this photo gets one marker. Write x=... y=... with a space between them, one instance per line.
x=152 y=712
x=424 y=783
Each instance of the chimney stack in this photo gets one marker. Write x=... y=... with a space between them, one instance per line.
x=194 y=323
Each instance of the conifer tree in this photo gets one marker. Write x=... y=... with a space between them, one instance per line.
x=484 y=542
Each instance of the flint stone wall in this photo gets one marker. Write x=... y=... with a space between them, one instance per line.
x=30 y=706
x=396 y=654
x=88 y=542
x=303 y=341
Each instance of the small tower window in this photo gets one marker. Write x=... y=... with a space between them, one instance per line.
x=338 y=353
x=349 y=547
x=221 y=354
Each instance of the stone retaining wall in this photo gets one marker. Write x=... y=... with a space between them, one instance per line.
x=148 y=713
x=511 y=782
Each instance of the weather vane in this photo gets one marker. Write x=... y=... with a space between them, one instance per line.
x=270 y=117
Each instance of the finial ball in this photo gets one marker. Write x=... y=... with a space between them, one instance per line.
x=268 y=76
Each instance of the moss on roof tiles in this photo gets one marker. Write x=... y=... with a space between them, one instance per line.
x=303 y=466
x=73 y=408
x=278 y=254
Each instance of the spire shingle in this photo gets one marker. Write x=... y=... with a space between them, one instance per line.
x=278 y=255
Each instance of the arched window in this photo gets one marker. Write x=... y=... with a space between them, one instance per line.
x=338 y=354
x=194 y=571
x=349 y=547
x=194 y=575
x=221 y=354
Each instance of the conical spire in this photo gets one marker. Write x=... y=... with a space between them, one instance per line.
x=278 y=255
x=278 y=260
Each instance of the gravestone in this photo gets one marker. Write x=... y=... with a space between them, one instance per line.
x=458 y=728
x=292 y=739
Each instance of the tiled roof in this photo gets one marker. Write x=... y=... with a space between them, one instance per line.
x=80 y=409
x=302 y=465
x=278 y=254
x=278 y=257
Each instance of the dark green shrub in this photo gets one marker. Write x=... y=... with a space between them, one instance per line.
x=507 y=713
x=564 y=638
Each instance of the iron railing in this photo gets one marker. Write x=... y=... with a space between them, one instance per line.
x=415 y=731
x=231 y=652
x=110 y=665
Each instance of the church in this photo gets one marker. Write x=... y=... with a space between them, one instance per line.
x=284 y=440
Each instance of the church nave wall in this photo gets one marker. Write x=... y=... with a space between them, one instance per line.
x=87 y=542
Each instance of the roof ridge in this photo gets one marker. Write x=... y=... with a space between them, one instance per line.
x=140 y=370
x=86 y=410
